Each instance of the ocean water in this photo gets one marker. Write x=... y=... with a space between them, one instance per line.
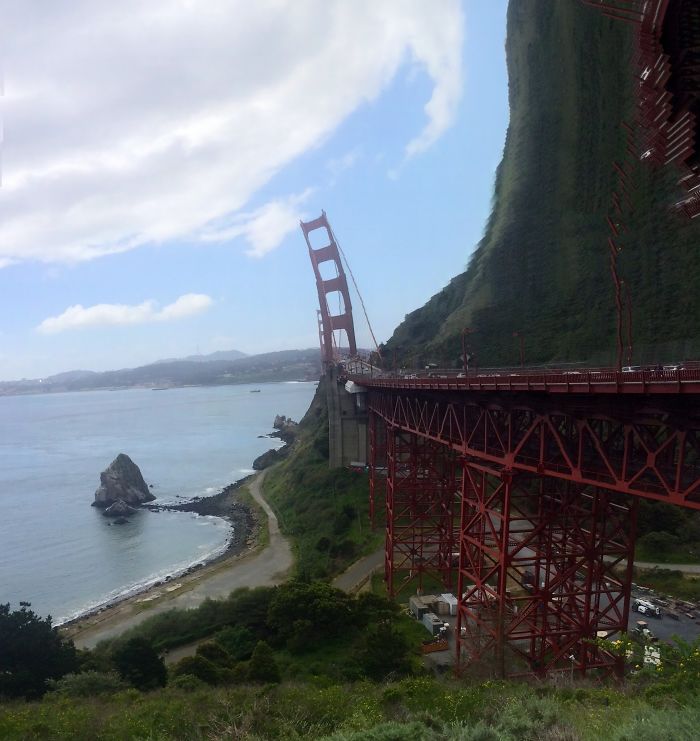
x=61 y=554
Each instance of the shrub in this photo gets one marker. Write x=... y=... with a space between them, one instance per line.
x=89 y=684
x=138 y=664
x=197 y=666
x=187 y=683
x=238 y=640
x=215 y=653
x=263 y=666
x=32 y=652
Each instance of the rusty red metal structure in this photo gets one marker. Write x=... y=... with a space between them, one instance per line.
x=525 y=487
x=330 y=322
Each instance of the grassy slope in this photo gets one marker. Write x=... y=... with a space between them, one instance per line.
x=420 y=708
x=323 y=511
x=542 y=266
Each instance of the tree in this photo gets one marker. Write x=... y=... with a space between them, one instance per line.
x=263 y=666
x=31 y=653
x=237 y=640
x=329 y=610
x=198 y=666
x=138 y=664
x=386 y=652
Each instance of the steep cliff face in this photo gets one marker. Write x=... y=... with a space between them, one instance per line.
x=542 y=267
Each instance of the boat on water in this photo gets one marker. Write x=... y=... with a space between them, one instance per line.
x=255 y=391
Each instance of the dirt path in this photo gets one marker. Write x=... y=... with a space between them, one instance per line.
x=357 y=574
x=266 y=567
x=686 y=568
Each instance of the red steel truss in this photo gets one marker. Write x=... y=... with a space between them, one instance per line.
x=377 y=467
x=631 y=446
x=537 y=494
x=330 y=322
x=539 y=574
x=422 y=500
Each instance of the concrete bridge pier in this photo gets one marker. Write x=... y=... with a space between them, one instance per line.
x=347 y=421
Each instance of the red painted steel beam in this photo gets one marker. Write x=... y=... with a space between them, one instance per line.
x=421 y=498
x=330 y=322
x=645 y=452
x=543 y=568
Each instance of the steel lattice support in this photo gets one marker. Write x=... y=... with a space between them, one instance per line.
x=377 y=466
x=421 y=514
x=544 y=566
x=633 y=449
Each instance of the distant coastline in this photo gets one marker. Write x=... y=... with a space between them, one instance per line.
x=274 y=367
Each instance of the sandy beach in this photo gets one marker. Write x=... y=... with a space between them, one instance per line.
x=245 y=564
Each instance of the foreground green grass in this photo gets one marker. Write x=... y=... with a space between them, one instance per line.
x=418 y=708
x=669 y=581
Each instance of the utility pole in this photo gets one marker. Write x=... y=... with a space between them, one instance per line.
x=465 y=355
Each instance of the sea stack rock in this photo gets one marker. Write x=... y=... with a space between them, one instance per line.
x=122 y=480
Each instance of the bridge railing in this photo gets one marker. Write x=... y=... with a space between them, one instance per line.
x=591 y=380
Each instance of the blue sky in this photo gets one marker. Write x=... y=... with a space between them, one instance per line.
x=156 y=164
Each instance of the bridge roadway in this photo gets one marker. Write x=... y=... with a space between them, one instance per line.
x=550 y=381
x=632 y=432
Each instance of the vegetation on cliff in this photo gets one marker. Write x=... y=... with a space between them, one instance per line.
x=323 y=511
x=542 y=266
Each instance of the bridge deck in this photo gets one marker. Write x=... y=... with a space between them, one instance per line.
x=684 y=381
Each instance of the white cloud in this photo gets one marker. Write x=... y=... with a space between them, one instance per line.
x=100 y=315
x=128 y=123
x=263 y=229
x=339 y=164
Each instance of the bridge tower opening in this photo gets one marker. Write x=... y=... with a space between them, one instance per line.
x=331 y=325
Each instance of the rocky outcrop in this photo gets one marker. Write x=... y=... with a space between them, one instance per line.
x=122 y=480
x=285 y=428
x=119 y=509
x=269 y=457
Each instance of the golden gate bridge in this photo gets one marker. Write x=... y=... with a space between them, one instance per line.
x=519 y=488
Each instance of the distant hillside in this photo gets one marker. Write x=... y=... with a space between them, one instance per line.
x=285 y=365
x=542 y=266
x=219 y=355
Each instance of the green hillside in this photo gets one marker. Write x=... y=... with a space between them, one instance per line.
x=542 y=266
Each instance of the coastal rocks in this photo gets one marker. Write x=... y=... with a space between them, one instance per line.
x=119 y=509
x=286 y=430
x=269 y=457
x=122 y=481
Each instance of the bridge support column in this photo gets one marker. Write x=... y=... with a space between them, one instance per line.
x=421 y=511
x=377 y=465
x=545 y=566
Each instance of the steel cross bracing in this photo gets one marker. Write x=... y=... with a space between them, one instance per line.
x=422 y=504
x=538 y=574
x=648 y=447
x=532 y=497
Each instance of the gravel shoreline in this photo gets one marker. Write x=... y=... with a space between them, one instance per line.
x=224 y=504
